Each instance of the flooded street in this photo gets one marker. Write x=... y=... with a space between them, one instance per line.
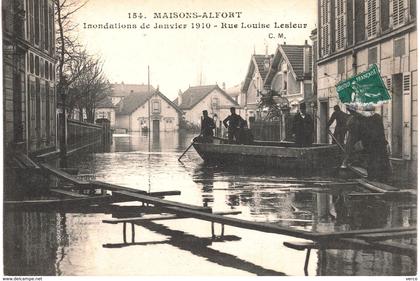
x=51 y=243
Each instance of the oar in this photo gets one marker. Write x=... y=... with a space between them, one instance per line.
x=339 y=145
x=179 y=159
x=332 y=135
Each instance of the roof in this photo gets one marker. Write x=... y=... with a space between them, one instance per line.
x=134 y=100
x=194 y=95
x=234 y=91
x=294 y=56
x=106 y=102
x=123 y=90
x=257 y=62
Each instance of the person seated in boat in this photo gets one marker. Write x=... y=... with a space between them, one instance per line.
x=245 y=135
x=340 y=119
x=233 y=123
x=207 y=126
x=303 y=127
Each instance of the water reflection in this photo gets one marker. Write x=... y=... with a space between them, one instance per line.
x=71 y=244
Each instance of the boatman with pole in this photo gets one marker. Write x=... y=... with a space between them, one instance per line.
x=361 y=94
x=340 y=119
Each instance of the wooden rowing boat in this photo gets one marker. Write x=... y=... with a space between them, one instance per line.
x=285 y=155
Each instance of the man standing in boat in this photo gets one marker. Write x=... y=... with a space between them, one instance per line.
x=207 y=126
x=366 y=128
x=233 y=123
x=303 y=127
x=340 y=119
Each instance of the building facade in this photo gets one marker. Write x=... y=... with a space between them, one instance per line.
x=254 y=84
x=29 y=98
x=290 y=74
x=354 y=34
x=211 y=98
x=106 y=109
x=153 y=111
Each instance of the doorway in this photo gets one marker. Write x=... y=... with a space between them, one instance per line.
x=323 y=119
x=156 y=127
x=397 y=115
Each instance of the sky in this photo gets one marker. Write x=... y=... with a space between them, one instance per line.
x=179 y=58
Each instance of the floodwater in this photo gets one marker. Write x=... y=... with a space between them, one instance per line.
x=51 y=243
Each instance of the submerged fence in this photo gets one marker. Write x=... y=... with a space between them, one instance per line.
x=273 y=130
x=81 y=134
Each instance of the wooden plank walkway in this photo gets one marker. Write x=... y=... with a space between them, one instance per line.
x=175 y=210
x=65 y=176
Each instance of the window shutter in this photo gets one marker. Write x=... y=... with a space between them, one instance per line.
x=340 y=24
x=399 y=12
x=406 y=115
x=325 y=27
x=388 y=108
x=372 y=17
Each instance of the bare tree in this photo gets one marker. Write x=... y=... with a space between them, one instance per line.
x=66 y=40
x=81 y=81
x=89 y=87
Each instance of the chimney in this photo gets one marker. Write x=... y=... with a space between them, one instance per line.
x=179 y=97
x=306 y=58
x=223 y=86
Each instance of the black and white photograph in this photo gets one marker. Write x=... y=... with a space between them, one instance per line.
x=216 y=139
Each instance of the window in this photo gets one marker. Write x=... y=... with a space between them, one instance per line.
x=215 y=103
x=51 y=28
x=156 y=106
x=51 y=72
x=372 y=16
x=46 y=25
x=372 y=55
x=47 y=70
x=399 y=10
x=325 y=27
x=399 y=47
x=36 y=23
x=340 y=23
x=341 y=66
x=41 y=68
x=30 y=24
x=31 y=63
x=36 y=65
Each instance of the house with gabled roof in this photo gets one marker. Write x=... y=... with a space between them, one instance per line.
x=254 y=84
x=122 y=90
x=209 y=97
x=146 y=110
x=290 y=74
x=106 y=109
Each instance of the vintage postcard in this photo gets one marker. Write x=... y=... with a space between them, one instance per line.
x=209 y=138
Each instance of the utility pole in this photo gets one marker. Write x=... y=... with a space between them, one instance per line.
x=148 y=94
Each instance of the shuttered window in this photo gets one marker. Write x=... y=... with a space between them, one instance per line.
x=407 y=114
x=372 y=16
x=399 y=47
x=36 y=21
x=46 y=25
x=372 y=55
x=325 y=27
x=51 y=29
x=399 y=10
x=340 y=11
x=31 y=21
